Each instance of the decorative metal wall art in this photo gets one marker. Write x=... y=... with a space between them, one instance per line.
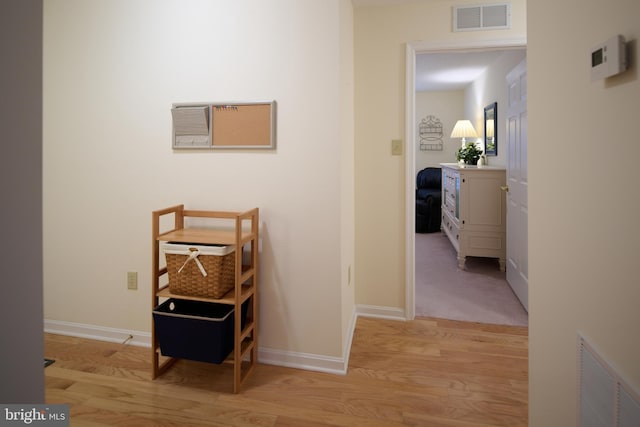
x=430 y=131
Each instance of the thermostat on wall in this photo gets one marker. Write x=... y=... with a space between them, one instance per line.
x=608 y=58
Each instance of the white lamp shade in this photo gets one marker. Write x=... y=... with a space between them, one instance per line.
x=463 y=129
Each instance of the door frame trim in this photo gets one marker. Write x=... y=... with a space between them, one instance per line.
x=412 y=49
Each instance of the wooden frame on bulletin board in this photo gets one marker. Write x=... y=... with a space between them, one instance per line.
x=235 y=125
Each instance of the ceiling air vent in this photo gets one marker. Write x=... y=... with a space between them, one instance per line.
x=496 y=16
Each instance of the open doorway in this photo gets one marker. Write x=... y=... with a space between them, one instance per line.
x=462 y=57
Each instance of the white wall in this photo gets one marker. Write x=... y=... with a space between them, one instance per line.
x=112 y=70
x=488 y=88
x=347 y=173
x=381 y=35
x=584 y=201
x=467 y=103
x=448 y=106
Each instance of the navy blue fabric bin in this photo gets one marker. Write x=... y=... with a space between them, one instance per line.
x=194 y=330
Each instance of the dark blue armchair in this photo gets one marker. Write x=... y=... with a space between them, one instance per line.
x=428 y=200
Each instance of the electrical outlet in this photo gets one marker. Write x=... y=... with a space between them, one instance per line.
x=396 y=147
x=132 y=280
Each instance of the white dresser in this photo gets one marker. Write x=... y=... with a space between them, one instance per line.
x=474 y=211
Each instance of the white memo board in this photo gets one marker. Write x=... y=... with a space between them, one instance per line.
x=213 y=125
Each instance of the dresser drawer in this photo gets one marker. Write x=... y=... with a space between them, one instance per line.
x=449 y=207
x=450 y=204
x=450 y=226
x=449 y=199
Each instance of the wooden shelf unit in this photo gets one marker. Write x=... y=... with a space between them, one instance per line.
x=243 y=232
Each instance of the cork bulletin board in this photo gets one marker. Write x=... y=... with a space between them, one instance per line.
x=248 y=125
x=243 y=125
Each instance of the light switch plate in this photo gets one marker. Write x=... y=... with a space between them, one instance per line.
x=396 y=147
x=132 y=280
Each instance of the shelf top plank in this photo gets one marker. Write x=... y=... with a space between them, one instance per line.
x=200 y=235
x=228 y=298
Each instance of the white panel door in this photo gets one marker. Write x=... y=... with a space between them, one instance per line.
x=517 y=185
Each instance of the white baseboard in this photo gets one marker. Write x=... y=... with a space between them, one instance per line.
x=312 y=362
x=306 y=361
x=349 y=340
x=290 y=359
x=100 y=333
x=380 y=312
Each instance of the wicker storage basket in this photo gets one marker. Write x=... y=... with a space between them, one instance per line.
x=200 y=270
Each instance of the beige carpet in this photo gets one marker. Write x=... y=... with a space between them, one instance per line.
x=479 y=293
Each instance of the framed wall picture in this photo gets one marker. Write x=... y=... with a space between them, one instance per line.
x=491 y=129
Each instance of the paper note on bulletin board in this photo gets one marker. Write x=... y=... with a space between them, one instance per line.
x=250 y=125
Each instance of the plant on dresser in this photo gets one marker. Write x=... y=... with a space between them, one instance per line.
x=469 y=154
x=474 y=211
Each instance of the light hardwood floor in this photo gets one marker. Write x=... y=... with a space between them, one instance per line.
x=427 y=372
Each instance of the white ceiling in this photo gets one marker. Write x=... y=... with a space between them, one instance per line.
x=451 y=71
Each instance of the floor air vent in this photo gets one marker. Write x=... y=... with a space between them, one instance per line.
x=483 y=17
x=604 y=398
